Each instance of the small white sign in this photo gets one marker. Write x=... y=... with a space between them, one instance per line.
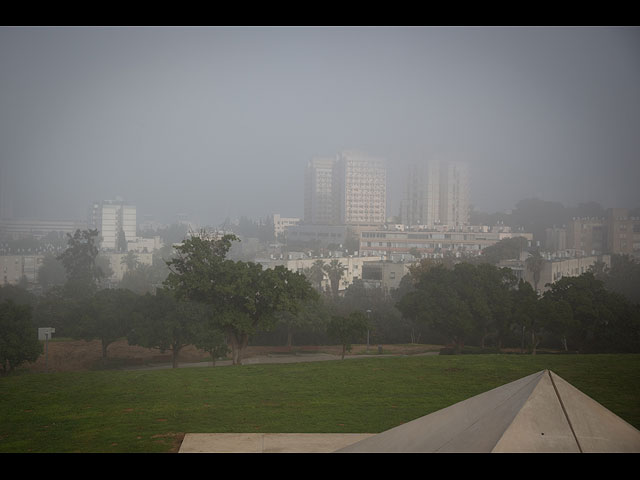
x=45 y=333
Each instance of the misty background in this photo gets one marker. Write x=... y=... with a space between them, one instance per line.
x=217 y=122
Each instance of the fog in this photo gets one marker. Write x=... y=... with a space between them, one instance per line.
x=217 y=122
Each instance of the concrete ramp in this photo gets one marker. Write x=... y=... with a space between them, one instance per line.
x=538 y=413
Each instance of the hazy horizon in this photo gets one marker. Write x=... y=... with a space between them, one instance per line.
x=217 y=122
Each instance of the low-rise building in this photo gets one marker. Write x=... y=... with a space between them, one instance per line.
x=280 y=224
x=459 y=242
x=316 y=236
x=353 y=266
x=384 y=275
x=554 y=268
x=623 y=232
x=13 y=268
x=119 y=267
x=21 y=228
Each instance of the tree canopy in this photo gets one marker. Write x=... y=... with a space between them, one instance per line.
x=242 y=297
x=79 y=261
x=18 y=339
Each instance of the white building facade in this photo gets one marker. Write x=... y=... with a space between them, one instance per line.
x=114 y=218
x=319 y=204
x=361 y=188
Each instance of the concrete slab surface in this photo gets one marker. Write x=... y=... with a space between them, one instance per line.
x=268 y=442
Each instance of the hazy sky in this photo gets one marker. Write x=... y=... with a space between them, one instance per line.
x=220 y=121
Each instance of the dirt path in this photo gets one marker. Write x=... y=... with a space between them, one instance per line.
x=79 y=355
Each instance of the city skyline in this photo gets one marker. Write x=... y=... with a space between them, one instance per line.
x=217 y=122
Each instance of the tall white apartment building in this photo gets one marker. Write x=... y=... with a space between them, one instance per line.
x=421 y=202
x=454 y=193
x=360 y=184
x=319 y=205
x=114 y=219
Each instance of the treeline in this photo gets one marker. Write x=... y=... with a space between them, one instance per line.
x=215 y=303
x=483 y=306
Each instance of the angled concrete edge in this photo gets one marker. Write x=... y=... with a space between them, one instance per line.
x=268 y=442
x=535 y=414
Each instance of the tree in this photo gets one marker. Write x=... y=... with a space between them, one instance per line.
x=79 y=261
x=139 y=280
x=18 y=339
x=535 y=263
x=497 y=285
x=130 y=260
x=622 y=277
x=437 y=301
x=505 y=249
x=254 y=299
x=315 y=273
x=211 y=340
x=335 y=271
x=242 y=297
x=17 y=294
x=603 y=321
x=165 y=322
x=105 y=316
x=121 y=241
x=347 y=329
x=526 y=314
x=51 y=272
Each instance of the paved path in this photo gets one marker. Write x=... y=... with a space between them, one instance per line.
x=265 y=359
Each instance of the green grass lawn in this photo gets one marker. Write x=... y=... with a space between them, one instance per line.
x=148 y=411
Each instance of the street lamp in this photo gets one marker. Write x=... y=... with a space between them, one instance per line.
x=369 y=318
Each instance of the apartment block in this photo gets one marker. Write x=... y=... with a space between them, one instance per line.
x=587 y=234
x=280 y=224
x=350 y=189
x=421 y=201
x=319 y=204
x=353 y=267
x=623 y=232
x=360 y=185
x=13 y=268
x=436 y=193
x=113 y=218
x=431 y=243
x=454 y=193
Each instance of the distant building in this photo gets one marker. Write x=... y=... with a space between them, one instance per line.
x=145 y=244
x=348 y=190
x=587 y=234
x=13 y=228
x=421 y=202
x=454 y=193
x=384 y=275
x=119 y=268
x=353 y=267
x=556 y=239
x=319 y=202
x=623 y=232
x=555 y=268
x=360 y=186
x=280 y=224
x=436 y=193
x=116 y=222
x=316 y=236
x=13 y=268
x=434 y=242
